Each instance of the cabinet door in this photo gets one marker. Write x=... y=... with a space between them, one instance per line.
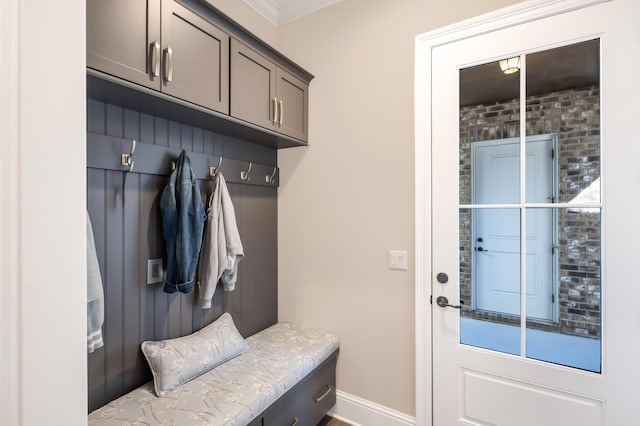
x=197 y=69
x=253 y=80
x=120 y=37
x=292 y=93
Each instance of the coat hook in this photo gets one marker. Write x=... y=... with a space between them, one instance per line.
x=127 y=159
x=214 y=170
x=271 y=179
x=245 y=175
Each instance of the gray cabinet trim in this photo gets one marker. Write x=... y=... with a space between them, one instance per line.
x=113 y=90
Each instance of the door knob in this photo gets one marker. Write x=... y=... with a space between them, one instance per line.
x=443 y=302
x=481 y=249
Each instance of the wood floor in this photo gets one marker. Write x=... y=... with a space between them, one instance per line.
x=329 y=421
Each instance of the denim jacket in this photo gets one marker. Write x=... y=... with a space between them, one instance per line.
x=183 y=219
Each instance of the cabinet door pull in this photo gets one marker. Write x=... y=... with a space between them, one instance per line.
x=324 y=394
x=275 y=111
x=168 y=64
x=281 y=112
x=155 y=59
x=295 y=421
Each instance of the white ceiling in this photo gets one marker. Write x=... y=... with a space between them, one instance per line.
x=280 y=12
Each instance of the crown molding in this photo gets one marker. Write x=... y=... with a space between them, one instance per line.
x=266 y=8
x=280 y=12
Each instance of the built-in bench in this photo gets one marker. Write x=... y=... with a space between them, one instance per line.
x=286 y=377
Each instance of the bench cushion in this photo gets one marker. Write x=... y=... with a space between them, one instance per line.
x=233 y=393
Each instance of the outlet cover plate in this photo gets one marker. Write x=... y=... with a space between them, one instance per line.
x=155 y=271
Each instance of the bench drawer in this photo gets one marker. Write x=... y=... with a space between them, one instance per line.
x=307 y=402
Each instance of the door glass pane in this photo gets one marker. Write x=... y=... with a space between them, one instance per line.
x=490 y=278
x=489 y=131
x=563 y=106
x=564 y=287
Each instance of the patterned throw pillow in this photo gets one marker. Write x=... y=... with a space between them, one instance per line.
x=174 y=362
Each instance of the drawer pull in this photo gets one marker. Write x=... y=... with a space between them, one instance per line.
x=324 y=394
x=295 y=421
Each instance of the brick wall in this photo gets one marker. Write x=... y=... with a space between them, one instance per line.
x=573 y=115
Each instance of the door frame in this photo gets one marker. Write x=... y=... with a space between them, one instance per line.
x=424 y=275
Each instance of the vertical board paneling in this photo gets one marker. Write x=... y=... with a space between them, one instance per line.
x=151 y=247
x=256 y=289
x=174 y=315
x=96 y=361
x=114 y=315
x=197 y=141
x=126 y=237
x=132 y=265
x=146 y=128
x=162 y=132
x=131 y=124
x=95 y=116
x=115 y=121
x=174 y=134
x=186 y=137
x=161 y=315
x=209 y=144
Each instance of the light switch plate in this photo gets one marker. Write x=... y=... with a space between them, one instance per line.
x=155 y=271
x=398 y=260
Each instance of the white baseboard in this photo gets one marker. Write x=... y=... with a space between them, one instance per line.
x=360 y=412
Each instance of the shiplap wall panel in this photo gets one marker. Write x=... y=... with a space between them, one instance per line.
x=129 y=233
x=114 y=320
x=131 y=276
x=96 y=361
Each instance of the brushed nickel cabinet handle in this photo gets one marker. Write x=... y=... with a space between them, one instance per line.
x=275 y=110
x=295 y=421
x=168 y=64
x=324 y=394
x=155 y=59
x=281 y=112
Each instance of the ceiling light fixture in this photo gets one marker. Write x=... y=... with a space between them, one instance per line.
x=511 y=65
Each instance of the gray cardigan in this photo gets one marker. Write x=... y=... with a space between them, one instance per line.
x=221 y=248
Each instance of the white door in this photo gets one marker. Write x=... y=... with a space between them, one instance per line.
x=495 y=233
x=478 y=386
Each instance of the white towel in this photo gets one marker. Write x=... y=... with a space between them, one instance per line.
x=221 y=248
x=95 y=294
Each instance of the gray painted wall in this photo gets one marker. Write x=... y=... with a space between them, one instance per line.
x=127 y=236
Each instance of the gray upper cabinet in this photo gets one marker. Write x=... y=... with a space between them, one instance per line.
x=185 y=60
x=292 y=95
x=189 y=59
x=266 y=95
x=123 y=39
x=195 y=58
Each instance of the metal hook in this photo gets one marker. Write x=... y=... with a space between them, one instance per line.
x=271 y=179
x=245 y=175
x=214 y=170
x=127 y=159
